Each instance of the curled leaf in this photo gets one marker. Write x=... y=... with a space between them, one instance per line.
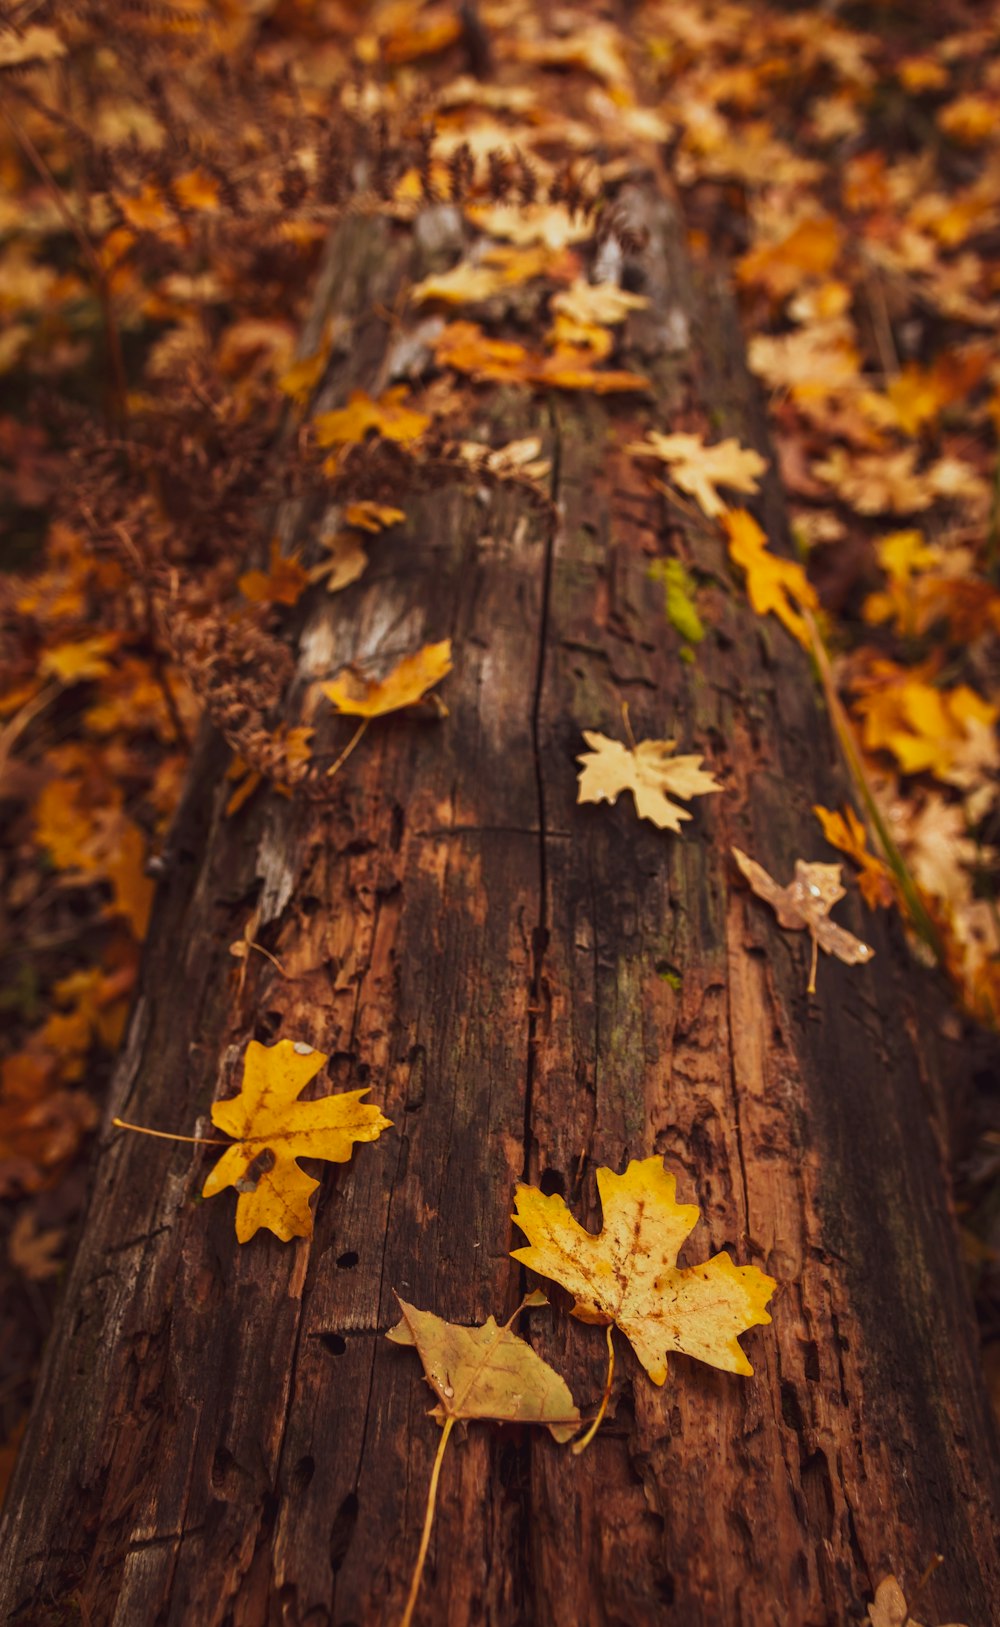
x=487 y=1372
x=804 y=905
x=407 y=683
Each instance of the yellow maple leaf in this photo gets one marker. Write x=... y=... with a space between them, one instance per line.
x=124 y=864
x=877 y=482
x=373 y=517
x=266 y=1118
x=196 y=190
x=497 y=268
x=804 y=905
x=551 y=224
x=846 y=832
x=949 y=733
x=649 y=770
x=627 y=1274
x=406 y=37
x=407 y=683
x=773 y=583
x=812 y=363
x=79 y=661
x=389 y=417
x=904 y=556
x=569 y=368
x=970 y=120
x=699 y=469
x=464 y=284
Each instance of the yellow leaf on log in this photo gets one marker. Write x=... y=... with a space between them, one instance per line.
x=267 y=1120
x=628 y=1274
x=649 y=770
x=406 y=684
x=486 y=1372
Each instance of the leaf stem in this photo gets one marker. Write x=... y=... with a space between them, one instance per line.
x=585 y=1440
x=811 y=988
x=167 y=1135
x=418 y=1569
x=355 y=738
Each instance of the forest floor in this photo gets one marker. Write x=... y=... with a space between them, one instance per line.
x=170 y=180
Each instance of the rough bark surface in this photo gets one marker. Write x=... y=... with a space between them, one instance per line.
x=222 y=1435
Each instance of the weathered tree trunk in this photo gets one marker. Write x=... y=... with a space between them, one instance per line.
x=222 y=1434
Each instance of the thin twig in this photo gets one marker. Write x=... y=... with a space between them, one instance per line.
x=341 y=760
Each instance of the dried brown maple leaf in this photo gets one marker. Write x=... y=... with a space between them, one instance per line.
x=804 y=905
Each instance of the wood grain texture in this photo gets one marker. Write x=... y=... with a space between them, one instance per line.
x=222 y=1435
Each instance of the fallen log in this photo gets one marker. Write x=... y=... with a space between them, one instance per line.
x=222 y=1434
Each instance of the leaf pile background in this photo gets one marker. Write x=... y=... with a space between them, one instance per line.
x=154 y=276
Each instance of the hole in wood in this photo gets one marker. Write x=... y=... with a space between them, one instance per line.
x=666 y=1587
x=267 y=1025
x=335 y=1343
x=552 y=1182
x=348 y=1260
x=255 y=1172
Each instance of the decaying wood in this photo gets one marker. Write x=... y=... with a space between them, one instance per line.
x=222 y=1435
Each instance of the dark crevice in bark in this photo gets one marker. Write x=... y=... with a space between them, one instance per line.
x=540 y=931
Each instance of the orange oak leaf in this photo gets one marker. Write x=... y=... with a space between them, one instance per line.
x=773 y=583
x=845 y=831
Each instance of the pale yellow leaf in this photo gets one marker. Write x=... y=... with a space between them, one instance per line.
x=649 y=770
